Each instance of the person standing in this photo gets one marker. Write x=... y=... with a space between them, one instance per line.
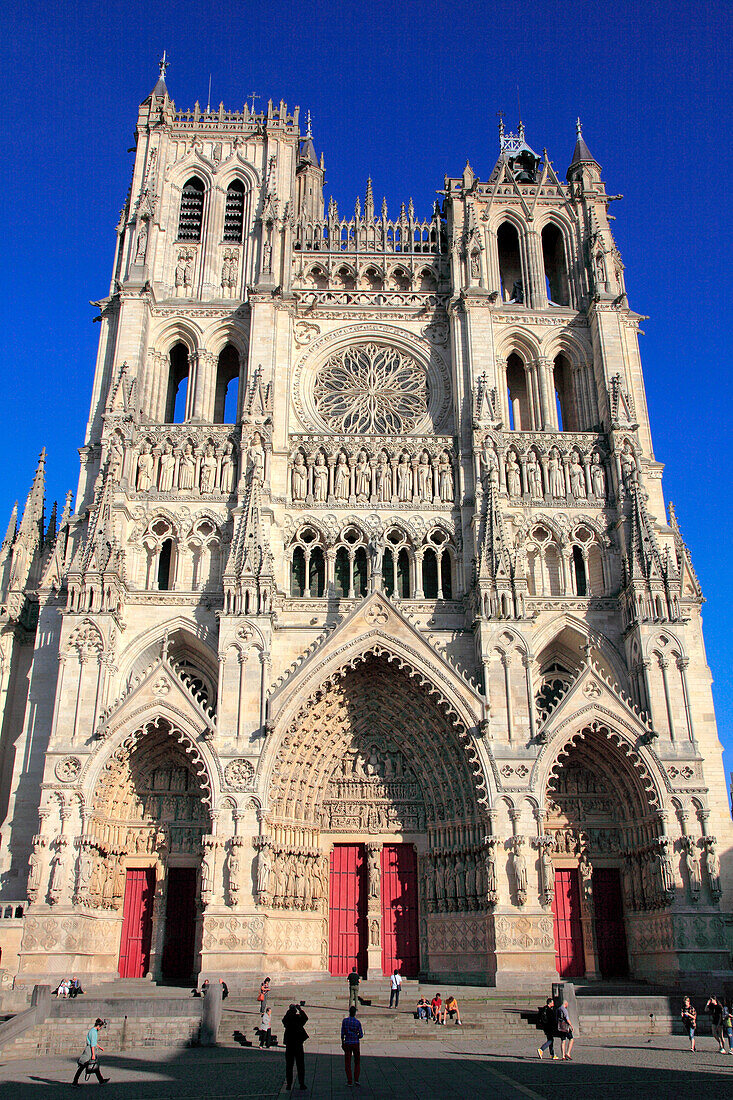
x=395 y=984
x=565 y=1031
x=294 y=1036
x=728 y=1026
x=262 y=995
x=546 y=1020
x=351 y=1035
x=689 y=1021
x=714 y=1008
x=354 y=980
x=89 y=1060
x=224 y=989
x=266 y=1028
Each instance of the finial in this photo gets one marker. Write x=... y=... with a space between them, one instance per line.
x=501 y=127
x=163 y=65
x=578 y=127
x=309 y=132
x=521 y=130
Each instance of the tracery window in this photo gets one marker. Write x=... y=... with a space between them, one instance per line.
x=192 y=210
x=371 y=389
x=350 y=566
x=556 y=680
x=307 y=565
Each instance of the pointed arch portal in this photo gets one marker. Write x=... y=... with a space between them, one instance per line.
x=374 y=789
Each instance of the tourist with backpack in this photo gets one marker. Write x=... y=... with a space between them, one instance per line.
x=546 y=1021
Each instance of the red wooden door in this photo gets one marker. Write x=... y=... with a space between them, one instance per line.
x=613 y=960
x=347 y=925
x=400 y=950
x=137 y=923
x=569 y=954
x=180 y=925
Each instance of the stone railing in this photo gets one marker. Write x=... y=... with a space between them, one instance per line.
x=374 y=471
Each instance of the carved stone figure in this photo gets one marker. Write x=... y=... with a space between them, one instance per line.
x=665 y=868
x=628 y=465
x=489 y=464
x=404 y=479
x=692 y=865
x=34 y=868
x=207 y=871
x=257 y=458
x=299 y=478
x=264 y=867
x=492 y=893
x=186 y=467
x=373 y=853
x=115 y=459
x=208 y=469
x=227 y=467
x=555 y=474
x=534 y=476
x=424 y=478
x=142 y=242
x=362 y=478
x=341 y=478
x=374 y=934
x=145 y=469
x=320 y=480
x=712 y=866
x=513 y=476
x=598 y=477
x=577 y=477
x=445 y=478
x=56 y=881
x=547 y=873
x=384 y=479
x=166 y=468
x=519 y=864
x=233 y=871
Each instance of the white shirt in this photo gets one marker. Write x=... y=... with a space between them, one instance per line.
x=395 y=981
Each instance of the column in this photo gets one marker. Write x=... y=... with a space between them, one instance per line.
x=664 y=665
x=527 y=662
x=506 y=662
x=682 y=663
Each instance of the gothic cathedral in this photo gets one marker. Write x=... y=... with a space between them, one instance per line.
x=369 y=638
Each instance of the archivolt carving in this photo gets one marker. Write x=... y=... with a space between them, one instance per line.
x=356 y=719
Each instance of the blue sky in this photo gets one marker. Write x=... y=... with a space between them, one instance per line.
x=405 y=93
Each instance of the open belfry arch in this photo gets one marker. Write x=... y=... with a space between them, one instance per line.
x=368 y=638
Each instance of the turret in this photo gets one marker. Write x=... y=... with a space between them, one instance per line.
x=309 y=179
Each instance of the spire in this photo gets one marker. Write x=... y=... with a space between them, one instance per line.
x=160 y=91
x=51 y=529
x=369 y=201
x=11 y=531
x=582 y=154
x=31 y=525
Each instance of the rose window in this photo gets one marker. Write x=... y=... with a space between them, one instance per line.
x=371 y=390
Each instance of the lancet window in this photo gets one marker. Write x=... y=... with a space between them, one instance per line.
x=234 y=213
x=192 y=210
x=226 y=395
x=556 y=269
x=307 y=564
x=510 y=264
x=176 y=405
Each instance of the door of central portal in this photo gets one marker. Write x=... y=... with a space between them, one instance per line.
x=347 y=910
x=569 y=954
x=613 y=960
x=400 y=949
x=180 y=925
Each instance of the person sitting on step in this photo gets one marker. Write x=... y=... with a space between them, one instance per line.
x=451 y=1008
x=423 y=1009
x=435 y=1007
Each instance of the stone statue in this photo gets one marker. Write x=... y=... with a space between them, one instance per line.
x=233 y=870
x=475 y=267
x=520 y=869
x=374 y=934
x=362 y=478
x=470 y=879
x=712 y=866
x=384 y=479
x=373 y=870
x=534 y=476
x=577 y=477
x=186 y=467
x=320 y=480
x=34 y=869
x=264 y=868
x=227 y=467
x=517 y=297
x=115 y=459
x=208 y=469
x=445 y=478
x=207 y=872
x=404 y=479
x=439 y=881
x=628 y=465
x=692 y=865
x=166 y=468
x=341 y=478
x=489 y=464
x=513 y=476
x=598 y=477
x=547 y=870
x=142 y=242
x=145 y=469
x=492 y=893
x=665 y=868
x=56 y=882
x=299 y=478
x=257 y=458
x=424 y=478
x=556 y=476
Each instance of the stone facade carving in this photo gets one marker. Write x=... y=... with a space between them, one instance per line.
x=239 y=774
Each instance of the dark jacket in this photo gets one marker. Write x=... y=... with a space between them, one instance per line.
x=294 y=1022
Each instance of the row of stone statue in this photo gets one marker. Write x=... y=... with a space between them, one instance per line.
x=170 y=468
x=290 y=879
x=555 y=475
x=98 y=876
x=383 y=479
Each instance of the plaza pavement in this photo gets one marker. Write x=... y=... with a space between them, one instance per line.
x=636 y=1068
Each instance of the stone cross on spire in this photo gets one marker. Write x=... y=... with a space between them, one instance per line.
x=163 y=65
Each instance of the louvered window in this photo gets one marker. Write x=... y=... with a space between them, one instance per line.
x=192 y=211
x=234 y=213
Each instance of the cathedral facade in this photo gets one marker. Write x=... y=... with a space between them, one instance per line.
x=368 y=638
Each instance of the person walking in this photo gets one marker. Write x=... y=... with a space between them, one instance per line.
x=546 y=1021
x=262 y=995
x=224 y=989
x=714 y=1008
x=294 y=1036
x=689 y=1021
x=351 y=1035
x=565 y=1031
x=88 y=1060
x=266 y=1028
x=354 y=980
x=395 y=984
x=728 y=1026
